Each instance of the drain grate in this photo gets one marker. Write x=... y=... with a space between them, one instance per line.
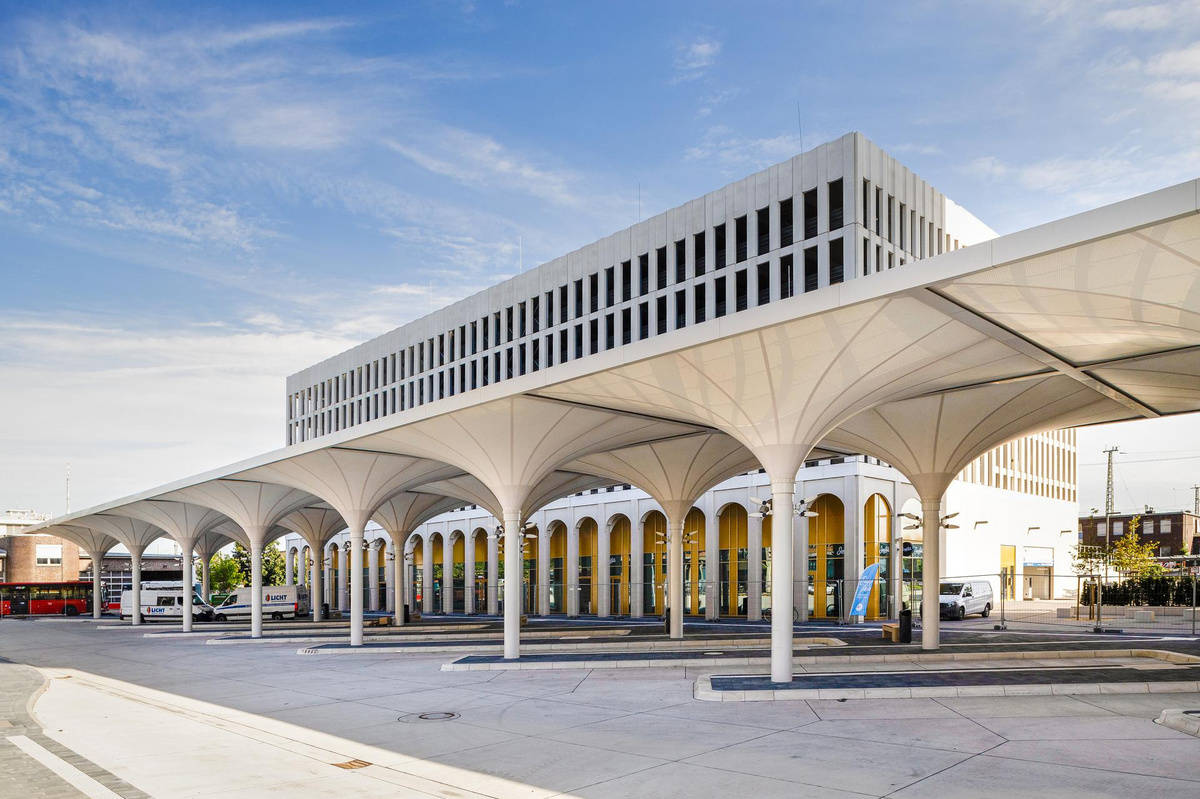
x=353 y=764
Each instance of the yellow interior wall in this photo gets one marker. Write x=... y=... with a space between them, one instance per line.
x=618 y=545
x=732 y=527
x=654 y=527
x=828 y=527
x=877 y=525
x=587 y=548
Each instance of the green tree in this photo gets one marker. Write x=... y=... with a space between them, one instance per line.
x=273 y=568
x=1088 y=559
x=1132 y=556
x=225 y=574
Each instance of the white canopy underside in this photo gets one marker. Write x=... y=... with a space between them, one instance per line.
x=1091 y=319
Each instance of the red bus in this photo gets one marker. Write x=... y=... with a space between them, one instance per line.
x=45 y=599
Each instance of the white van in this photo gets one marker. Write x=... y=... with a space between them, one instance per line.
x=279 y=602
x=164 y=603
x=960 y=599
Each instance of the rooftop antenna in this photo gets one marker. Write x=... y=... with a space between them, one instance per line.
x=68 y=487
x=800 y=125
x=520 y=255
x=639 y=201
x=1196 y=499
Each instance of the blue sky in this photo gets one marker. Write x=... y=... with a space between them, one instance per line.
x=195 y=203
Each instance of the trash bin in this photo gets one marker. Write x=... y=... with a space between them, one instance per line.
x=406 y=613
x=906 y=626
x=324 y=610
x=667 y=621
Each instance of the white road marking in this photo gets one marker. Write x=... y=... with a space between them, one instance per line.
x=62 y=768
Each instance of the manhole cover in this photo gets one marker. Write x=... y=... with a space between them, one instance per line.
x=436 y=715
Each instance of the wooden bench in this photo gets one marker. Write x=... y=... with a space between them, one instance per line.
x=892 y=632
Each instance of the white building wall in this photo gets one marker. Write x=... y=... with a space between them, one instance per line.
x=988 y=517
x=421 y=361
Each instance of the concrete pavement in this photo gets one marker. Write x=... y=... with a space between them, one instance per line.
x=177 y=718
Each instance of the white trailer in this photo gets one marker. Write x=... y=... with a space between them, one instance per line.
x=164 y=602
x=279 y=602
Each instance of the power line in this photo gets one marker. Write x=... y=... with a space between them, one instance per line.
x=1146 y=460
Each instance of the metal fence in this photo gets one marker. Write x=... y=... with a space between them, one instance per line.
x=1078 y=602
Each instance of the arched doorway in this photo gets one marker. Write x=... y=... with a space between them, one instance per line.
x=654 y=562
x=695 y=563
x=826 y=557
x=587 y=565
x=416 y=574
x=436 y=559
x=877 y=549
x=457 y=579
x=733 y=590
x=479 y=542
x=558 y=559
x=619 y=567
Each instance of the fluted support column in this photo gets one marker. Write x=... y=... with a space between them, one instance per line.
x=513 y=574
x=97 y=586
x=783 y=495
x=675 y=575
x=256 y=592
x=135 y=565
x=469 y=573
x=389 y=581
x=373 y=555
x=327 y=571
x=754 y=583
x=316 y=595
x=289 y=566
x=931 y=571
x=356 y=585
x=189 y=578
x=493 y=575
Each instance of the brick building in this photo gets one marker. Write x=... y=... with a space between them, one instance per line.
x=1175 y=532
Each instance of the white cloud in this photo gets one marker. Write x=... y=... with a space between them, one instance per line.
x=738 y=154
x=299 y=127
x=472 y=158
x=1138 y=18
x=131 y=408
x=693 y=58
x=1177 y=63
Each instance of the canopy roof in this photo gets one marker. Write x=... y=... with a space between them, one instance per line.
x=1090 y=319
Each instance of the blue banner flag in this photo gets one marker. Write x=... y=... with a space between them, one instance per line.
x=863 y=593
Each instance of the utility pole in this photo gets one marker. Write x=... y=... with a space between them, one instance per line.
x=1108 y=512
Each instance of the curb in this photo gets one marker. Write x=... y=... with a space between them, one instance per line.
x=704 y=691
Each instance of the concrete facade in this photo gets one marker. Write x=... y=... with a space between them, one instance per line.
x=783 y=229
